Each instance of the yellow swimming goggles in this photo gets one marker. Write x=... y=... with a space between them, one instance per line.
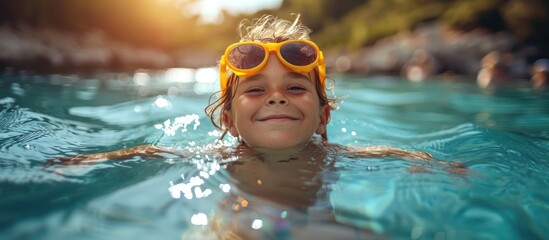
x=247 y=58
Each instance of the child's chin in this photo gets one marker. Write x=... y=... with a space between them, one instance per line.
x=278 y=140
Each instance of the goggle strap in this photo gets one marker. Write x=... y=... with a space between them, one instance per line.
x=321 y=68
x=223 y=74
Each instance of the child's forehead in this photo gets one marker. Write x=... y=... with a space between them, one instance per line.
x=290 y=75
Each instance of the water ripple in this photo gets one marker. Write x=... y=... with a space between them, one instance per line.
x=8 y=117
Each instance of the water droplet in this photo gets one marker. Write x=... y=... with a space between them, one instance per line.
x=200 y=219
x=257 y=224
x=225 y=187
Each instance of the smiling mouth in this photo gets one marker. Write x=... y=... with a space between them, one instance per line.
x=277 y=118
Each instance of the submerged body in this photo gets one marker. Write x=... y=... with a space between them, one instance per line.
x=269 y=183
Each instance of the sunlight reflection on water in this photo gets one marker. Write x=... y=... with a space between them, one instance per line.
x=501 y=137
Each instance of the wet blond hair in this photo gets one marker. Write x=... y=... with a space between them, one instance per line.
x=266 y=29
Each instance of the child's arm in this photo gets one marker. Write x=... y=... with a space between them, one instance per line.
x=145 y=151
x=387 y=151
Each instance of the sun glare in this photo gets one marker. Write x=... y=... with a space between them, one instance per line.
x=210 y=10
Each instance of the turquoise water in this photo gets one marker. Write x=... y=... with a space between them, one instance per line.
x=501 y=136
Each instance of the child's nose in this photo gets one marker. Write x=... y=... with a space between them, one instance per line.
x=282 y=102
x=277 y=98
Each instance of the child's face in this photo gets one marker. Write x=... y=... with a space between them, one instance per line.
x=276 y=108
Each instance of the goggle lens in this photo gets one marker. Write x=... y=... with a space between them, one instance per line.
x=246 y=56
x=298 y=53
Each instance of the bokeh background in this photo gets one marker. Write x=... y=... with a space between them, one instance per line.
x=364 y=37
x=90 y=76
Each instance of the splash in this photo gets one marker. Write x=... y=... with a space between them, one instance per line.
x=182 y=123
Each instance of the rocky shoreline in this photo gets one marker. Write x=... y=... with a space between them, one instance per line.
x=459 y=53
x=450 y=52
x=55 y=51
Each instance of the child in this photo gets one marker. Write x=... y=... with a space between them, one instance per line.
x=273 y=100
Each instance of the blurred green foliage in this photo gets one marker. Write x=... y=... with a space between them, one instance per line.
x=349 y=24
x=354 y=24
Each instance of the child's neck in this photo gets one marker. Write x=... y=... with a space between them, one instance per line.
x=279 y=152
x=312 y=148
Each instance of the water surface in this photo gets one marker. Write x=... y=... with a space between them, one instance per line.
x=500 y=135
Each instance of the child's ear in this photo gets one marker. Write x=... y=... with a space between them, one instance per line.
x=324 y=119
x=228 y=122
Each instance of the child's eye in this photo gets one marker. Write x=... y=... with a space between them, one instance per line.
x=296 y=89
x=254 y=90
